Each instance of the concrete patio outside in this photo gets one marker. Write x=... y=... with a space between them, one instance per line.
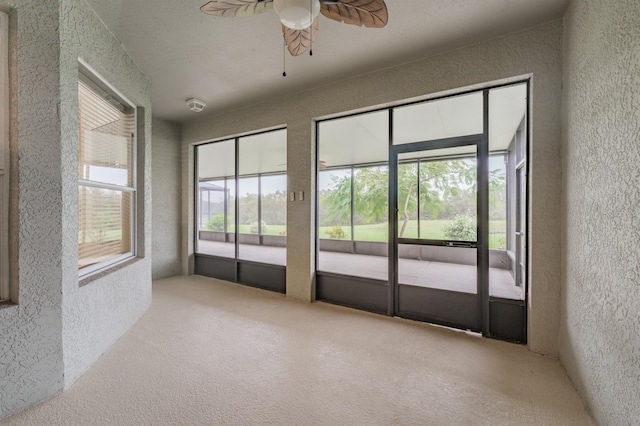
x=446 y=276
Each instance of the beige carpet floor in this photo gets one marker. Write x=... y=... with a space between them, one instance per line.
x=210 y=352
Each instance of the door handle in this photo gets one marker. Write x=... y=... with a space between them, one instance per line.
x=459 y=244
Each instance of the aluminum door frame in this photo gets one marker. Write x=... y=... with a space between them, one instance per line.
x=481 y=323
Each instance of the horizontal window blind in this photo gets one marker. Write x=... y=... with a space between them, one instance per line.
x=105 y=224
x=106 y=178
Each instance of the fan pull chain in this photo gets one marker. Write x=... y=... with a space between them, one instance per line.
x=284 y=59
x=311 y=28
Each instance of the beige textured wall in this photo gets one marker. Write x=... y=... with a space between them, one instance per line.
x=166 y=198
x=600 y=332
x=58 y=328
x=31 y=364
x=536 y=52
x=95 y=315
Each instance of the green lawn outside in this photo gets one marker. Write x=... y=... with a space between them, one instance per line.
x=271 y=229
x=429 y=229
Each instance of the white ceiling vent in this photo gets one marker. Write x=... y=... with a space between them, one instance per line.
x=196 y=105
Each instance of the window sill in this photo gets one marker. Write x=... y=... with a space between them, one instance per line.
x=7 y=304
x=88 y=279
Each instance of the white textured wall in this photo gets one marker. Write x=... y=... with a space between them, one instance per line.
x=600 y=333
x=98 y=313
x=166 y=162
x=31 y=367
x=536 y=52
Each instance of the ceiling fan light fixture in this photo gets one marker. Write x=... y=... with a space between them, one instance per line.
x=297 y=14
x=299 y=17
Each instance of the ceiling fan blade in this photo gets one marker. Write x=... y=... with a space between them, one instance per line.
x=368 y=13
x=236 y=8
x=299 y=41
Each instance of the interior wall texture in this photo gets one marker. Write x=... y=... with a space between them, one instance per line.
x=600 y=331
x=536 y=52
x=95 y=315
x=31 y=365
x=56 y=329
x=166 y=163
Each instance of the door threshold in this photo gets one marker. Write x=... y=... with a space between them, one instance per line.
x=457 y=330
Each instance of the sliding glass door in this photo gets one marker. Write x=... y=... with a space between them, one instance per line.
x=422 y=211
x=241 y=210
x=435 y=215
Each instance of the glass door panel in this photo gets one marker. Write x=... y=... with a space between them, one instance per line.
x=436 y=234
x=249 y=223
x=507 y=148
x=216 y=199
x=409 y=208
x=438 y=119
x=353 y=194
x=241 y=210
x=262 y=198
x=445 y=183
x=370 y=204
x=521 y=229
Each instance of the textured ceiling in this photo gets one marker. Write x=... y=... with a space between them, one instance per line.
x=231 y=63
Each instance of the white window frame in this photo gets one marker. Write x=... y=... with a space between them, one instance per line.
x=4 y=157
x=87 y=271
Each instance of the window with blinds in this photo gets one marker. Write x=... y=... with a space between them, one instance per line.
x=106 y=176
x=4 y=156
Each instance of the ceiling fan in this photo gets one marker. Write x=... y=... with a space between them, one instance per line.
x=299 y=17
